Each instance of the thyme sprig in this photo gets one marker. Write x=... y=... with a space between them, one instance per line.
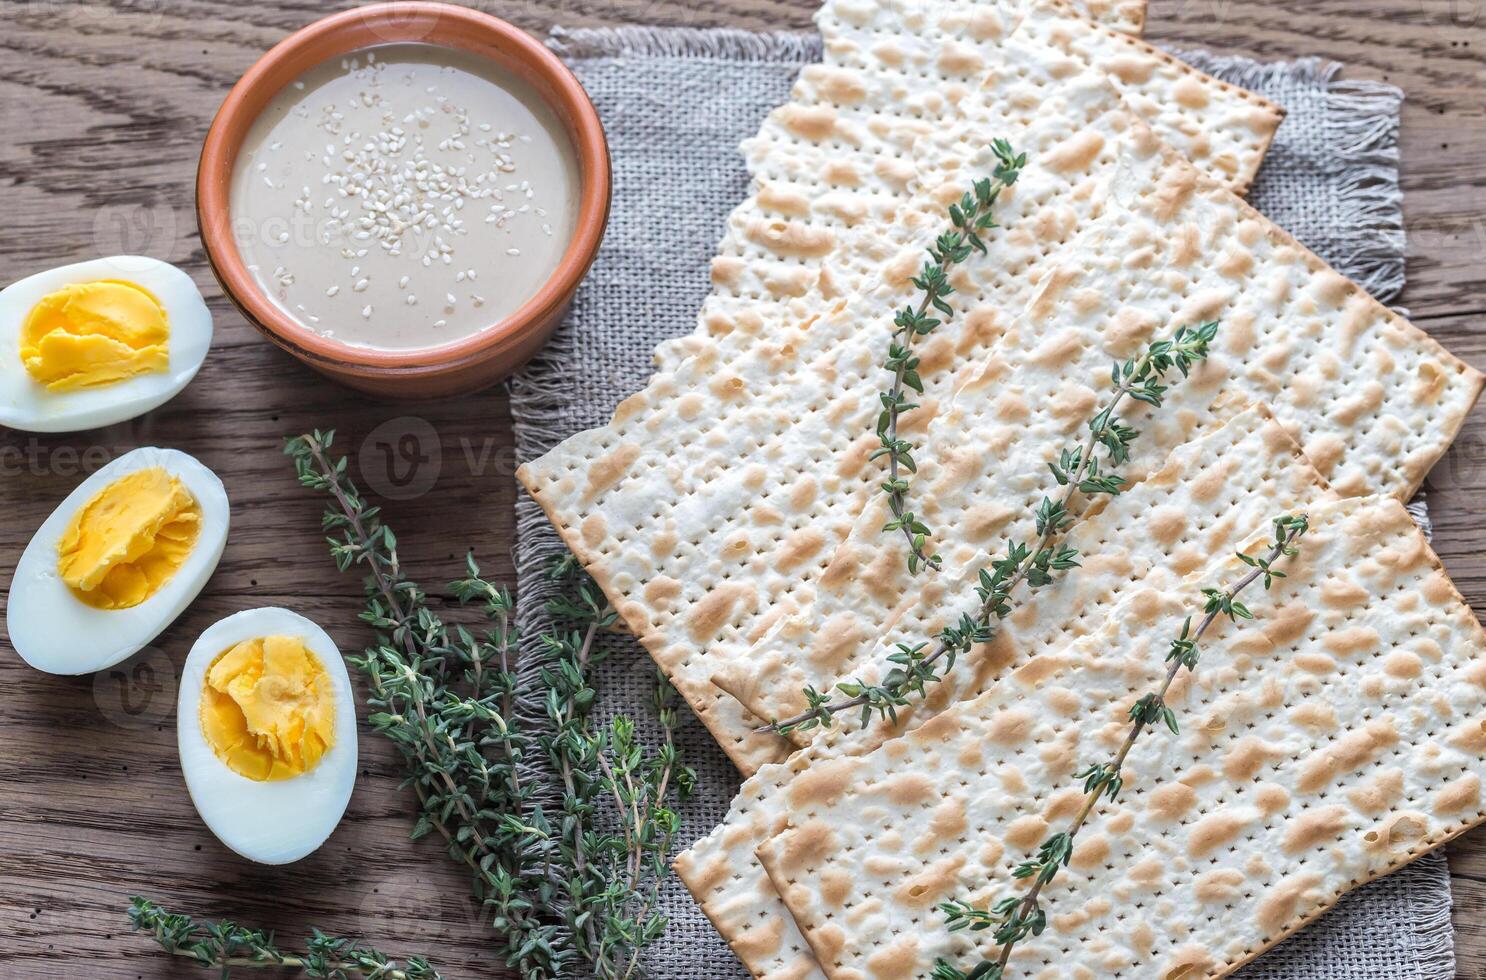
x=611 y=868
x=1084 y=469
x=227 y=946
x=563 y=820
x=446 y=700
x=1016 y=916
x=970 y=218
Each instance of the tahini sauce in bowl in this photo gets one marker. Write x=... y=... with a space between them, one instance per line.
x=404 y=196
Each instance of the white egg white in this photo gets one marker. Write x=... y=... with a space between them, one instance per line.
x=55 y=631
x=268 y=822
x=27 y=405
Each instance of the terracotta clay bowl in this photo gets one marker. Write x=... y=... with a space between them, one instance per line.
x=464 y=365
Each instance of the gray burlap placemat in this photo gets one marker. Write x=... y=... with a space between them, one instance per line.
x=676 y=103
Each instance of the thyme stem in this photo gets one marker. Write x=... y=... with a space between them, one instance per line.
x=1014 y=918
x=564 y=891
x=969 y=218
x=1078 y=471
x=227 y=946
x=387 y=588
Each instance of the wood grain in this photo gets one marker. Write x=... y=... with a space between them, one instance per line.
x=102 y=109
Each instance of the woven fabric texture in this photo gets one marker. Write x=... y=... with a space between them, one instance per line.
x=676 y=103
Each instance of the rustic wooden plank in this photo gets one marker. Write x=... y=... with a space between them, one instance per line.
x=1433 y=50
x=103 y=107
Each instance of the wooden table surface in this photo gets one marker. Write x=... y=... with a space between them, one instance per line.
x=102 y=110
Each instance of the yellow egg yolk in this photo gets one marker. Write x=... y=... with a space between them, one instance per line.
x=268 y=708
x=127 y=542
x=95 y=333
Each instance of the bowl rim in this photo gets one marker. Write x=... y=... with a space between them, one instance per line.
x=340 y=34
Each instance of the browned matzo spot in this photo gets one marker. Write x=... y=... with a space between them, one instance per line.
x=716 y=609
x=606 y=471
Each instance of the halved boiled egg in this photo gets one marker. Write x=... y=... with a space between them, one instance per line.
x=266 y=726
x=99 y=342
x=117 y=562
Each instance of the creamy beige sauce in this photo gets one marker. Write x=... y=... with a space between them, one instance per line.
x=404 y=196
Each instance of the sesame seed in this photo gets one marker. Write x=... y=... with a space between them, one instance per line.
x=366 y=312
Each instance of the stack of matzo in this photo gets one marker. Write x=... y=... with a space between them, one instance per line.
x=715 y=508
x=1371 y=400
x=783 y=369
x=1251 y=451
x=1331 y=740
